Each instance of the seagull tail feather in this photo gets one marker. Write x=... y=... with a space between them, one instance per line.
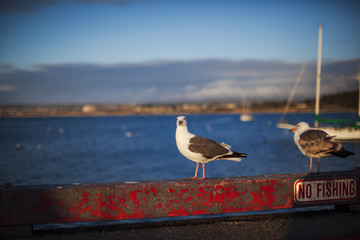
x=343 y=153
x=235 y=156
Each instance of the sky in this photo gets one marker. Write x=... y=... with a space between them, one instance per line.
x=92 y=51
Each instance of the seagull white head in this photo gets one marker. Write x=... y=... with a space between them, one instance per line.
x=300 y=127
x=181 y=121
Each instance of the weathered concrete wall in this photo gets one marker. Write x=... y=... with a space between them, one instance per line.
x=25 y=205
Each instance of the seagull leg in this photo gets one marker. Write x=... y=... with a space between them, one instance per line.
x=203 y=165
x=196 y=171
x=310 y=165
x=318 y=165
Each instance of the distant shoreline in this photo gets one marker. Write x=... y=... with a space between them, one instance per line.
x=143 y=110
x=338 y=102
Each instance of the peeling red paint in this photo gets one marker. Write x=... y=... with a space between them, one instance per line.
x=199 y=212
x=226 y=194
x=171 y=190
x=153 y=190
x=189 y=198
x=180 y=211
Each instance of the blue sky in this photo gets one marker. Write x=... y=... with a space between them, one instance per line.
x=39 y=34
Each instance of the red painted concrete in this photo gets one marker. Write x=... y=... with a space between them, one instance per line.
x=96 y=202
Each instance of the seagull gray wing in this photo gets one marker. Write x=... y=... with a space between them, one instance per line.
x=208 y=148
x=317 y=141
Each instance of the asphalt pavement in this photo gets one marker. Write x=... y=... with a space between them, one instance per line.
x=327 y=224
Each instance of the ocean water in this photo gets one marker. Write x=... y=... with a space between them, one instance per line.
x=63 y=150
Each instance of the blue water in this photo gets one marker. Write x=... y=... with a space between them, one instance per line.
x=62 y=150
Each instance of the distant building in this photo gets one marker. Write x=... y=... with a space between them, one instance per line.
x=301 y=106
x=88 y=108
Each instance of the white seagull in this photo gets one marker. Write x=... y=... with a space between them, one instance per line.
x=315 y=143
x=199 y=149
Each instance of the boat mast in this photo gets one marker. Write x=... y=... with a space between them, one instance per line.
x=358 y=78
x=318 y=76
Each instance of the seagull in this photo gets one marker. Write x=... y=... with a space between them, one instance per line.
x=315 y=143
x=199 y=149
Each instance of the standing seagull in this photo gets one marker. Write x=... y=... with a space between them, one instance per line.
x=315 y=143
x=199 y=149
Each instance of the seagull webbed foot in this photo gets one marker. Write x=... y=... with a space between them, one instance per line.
x=193 y=178
x=199 y=179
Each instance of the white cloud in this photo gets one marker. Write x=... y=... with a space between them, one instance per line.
x=230 y=88
x=190 y=87
x=169 y=82
x=4 y=88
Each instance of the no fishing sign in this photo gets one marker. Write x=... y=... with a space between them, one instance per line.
x=320 y=190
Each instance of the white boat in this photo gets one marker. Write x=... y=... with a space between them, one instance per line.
x=285 y=125
x=246 y=115
x=341 y=133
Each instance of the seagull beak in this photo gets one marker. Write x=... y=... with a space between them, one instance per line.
x=293 y=129
x=179 y=122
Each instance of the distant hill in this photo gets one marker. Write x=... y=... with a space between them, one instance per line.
x=346 y=100
x=343 y=101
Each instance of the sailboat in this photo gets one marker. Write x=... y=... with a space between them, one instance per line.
x=351 y=132
x=246 y=115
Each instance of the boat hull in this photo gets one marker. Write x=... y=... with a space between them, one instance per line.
x=246 y=117
x=346 y=133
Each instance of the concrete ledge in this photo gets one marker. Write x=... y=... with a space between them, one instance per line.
x=28 y=205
